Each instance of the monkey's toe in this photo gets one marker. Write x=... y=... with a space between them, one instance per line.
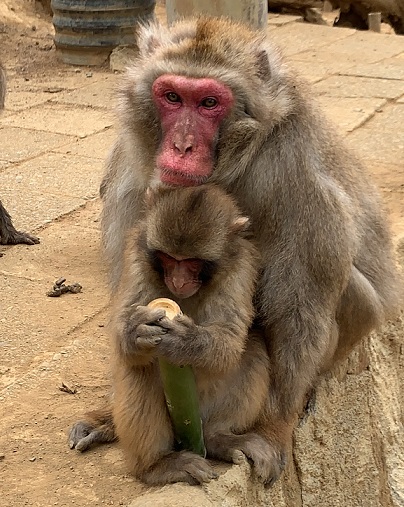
x=201 y=472
x=181 y=466
x=267 y=463
x=81 y=436
x=18 y=237
x=27 y=239
x=267 y=469
x=238 y=457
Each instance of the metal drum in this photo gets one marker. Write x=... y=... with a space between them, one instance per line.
x=86 y=31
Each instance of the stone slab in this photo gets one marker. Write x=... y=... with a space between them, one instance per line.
x=36 y=416
x=307 y=66
x=18 y=144
x=299 y=37
x=367 y=46
x=32 y=209
x=86 y=216
x=328 y=61
x=353 y=86
x=61 y=119
x=382 y=138
x=95 y=146
x=390 y=68
x=283 y=19
x=349 y=113
x=18 y=100
x=71 y=79
x=57 y=174
x=97 y=94
x=28 y=332
x=27 y=273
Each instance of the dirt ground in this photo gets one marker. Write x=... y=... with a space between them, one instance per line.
x=39 y=467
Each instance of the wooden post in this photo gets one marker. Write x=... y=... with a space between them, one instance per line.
x=253 y=12
x=374 y=21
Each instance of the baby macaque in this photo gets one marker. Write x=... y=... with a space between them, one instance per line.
x=190 y=247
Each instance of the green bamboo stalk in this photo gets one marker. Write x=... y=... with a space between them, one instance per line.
x=183 y=405
x=181 y=394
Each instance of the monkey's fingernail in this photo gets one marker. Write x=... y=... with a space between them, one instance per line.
x=156 y=340
x=71 y=444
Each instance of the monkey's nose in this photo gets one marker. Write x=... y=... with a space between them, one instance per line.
x=183 y=146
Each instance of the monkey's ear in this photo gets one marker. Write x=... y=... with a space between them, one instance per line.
x=240 y=224
x=263 y=67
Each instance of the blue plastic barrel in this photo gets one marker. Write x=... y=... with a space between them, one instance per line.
x=86 y=31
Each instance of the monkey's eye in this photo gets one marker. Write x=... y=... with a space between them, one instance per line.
x=209 y=103
x=172 y=97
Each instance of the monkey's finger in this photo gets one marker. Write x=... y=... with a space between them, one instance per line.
x=148 y=343
x=166 y=323
x=177 y=324
x=144 y=330
x=148 y=316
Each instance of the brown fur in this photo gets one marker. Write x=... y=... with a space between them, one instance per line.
x=231 y=366
x=8 y=233
x=327 y=272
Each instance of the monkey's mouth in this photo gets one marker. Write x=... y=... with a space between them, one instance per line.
x=181 y=179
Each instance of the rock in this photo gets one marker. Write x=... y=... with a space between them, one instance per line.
x=349 y=453
x=120 y=58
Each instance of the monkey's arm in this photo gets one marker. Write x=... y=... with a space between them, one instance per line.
x=217 y=347
x=145 y=334
x=9 y=234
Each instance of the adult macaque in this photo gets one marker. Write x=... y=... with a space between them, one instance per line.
x=8 y=233
x=205 y=264
x=212 y=101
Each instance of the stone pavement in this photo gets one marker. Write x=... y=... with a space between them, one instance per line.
x=54 y=136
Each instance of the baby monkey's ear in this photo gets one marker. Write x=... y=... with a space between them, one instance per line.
x=240 y=224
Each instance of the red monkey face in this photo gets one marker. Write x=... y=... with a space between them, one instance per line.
x=181 y=276
x=191 y=111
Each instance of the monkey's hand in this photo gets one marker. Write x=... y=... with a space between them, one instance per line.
x=181 y=340
x=142 y=332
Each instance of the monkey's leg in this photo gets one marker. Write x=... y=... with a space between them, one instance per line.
x=8 y=233
x=179 y=467
x=267 y=465
x=359 y=313
x=315 y=343
x=96 y=428
x=144 y=429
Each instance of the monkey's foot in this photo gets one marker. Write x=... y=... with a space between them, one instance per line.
x=179 y=467
x=310 y=406
x=14 y=237
x=266 y=462
x=83 y=435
